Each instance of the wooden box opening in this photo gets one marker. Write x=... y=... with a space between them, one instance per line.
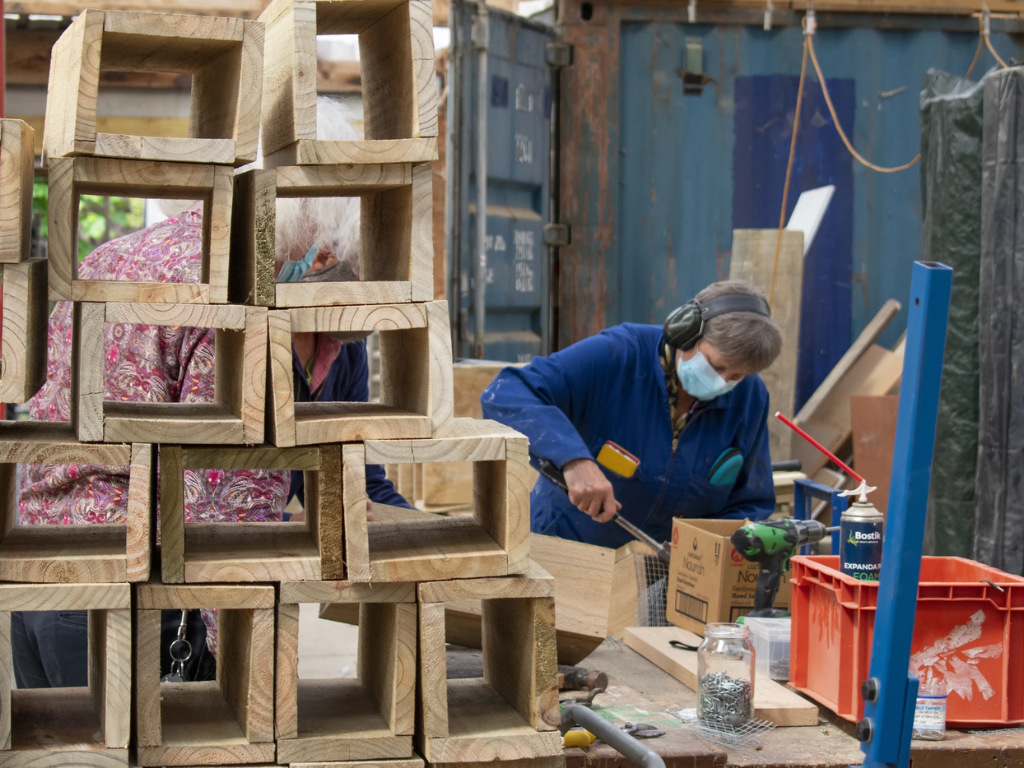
x=396 y=69
x=240 y=551
x=410 y=545
x=415 y=363
x=99 y=179
x=368 y=717
x=72 y=718
x=80 y=550
x=512 y=708
x=220 y=59
x=205 y=722
x=386 y=259
x=106 y=217
x=239 y=367
x=83 y=720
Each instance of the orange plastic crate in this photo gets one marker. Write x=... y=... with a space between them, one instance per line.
x=967 y=633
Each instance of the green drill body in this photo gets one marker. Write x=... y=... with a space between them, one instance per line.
x=772 y=544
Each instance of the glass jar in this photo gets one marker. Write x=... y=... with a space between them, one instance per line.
x=930 y=712
x=725 y=674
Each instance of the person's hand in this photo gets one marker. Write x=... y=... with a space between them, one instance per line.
x=590 y=490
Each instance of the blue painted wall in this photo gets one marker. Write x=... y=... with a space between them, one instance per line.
x=692 y=168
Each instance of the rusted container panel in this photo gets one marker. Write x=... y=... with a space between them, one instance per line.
x=654 y=180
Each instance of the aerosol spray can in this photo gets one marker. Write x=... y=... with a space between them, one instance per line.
x=861 y=530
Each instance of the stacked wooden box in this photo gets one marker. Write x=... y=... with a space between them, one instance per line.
x=397 y=570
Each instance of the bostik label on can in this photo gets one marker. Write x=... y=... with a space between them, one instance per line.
x=861 y=529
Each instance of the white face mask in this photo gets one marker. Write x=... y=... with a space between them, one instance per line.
x=700 y=380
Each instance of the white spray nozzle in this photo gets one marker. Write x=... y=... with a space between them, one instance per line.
x=861 y=492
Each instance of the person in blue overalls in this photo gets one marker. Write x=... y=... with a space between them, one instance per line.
x=650 y=421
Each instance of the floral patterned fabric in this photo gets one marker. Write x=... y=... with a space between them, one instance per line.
x=142 y=364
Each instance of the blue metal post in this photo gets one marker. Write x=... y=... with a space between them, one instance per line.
x=804 y=492
x=890 y=692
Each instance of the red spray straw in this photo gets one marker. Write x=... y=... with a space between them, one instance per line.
x=819 y=446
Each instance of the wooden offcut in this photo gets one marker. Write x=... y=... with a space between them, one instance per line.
x=16 y=160
x=753 y=260
x=77 y=553
x=511 y=712
x=407 y=545
x=240 y=348
x=415 y=372
x=396 y=56
x=224 y=57
x=395 y=246
x=250 y=552
x=70 y=726
x=873 y=420
x=227 y=721
x=772 y=702
x=70 y=178
x=371 y=717
x=25 y=314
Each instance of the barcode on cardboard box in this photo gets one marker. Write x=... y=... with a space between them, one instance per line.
x=738 y=610
x=691 y=606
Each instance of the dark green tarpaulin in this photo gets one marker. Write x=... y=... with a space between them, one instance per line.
x=951 y=171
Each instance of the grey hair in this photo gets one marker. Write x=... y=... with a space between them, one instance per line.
x=302 y=222
x=744 y=339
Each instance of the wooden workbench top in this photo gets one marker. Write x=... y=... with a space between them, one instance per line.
x=828 y=745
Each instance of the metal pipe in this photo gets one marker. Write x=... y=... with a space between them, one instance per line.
x=890 y=694
x=630 y=748
x=454 y=191
x=481 y=43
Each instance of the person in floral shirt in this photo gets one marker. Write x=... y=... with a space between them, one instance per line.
x=161 y=364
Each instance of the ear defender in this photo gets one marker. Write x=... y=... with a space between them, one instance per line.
x=684 y=327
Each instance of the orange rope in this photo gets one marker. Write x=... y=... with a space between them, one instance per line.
x=992 y=50
x=789 y=166
x=977 y=53
x=839 y=128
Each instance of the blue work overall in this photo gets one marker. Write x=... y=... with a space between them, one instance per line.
x=612 y=387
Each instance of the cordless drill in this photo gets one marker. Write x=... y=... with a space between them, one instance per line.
x=772 y=544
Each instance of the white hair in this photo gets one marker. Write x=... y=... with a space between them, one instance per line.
x=302 y=222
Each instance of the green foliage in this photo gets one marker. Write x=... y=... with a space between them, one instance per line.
x=101 y=219
x=40 y=197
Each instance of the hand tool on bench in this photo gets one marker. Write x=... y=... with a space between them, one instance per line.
x=554 y=474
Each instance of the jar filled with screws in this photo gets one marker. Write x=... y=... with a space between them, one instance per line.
x=725 y=673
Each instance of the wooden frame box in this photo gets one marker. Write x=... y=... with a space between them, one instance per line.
x=511 y=712
x=415 y=371
x=229 y=721
x=246 y=552
x=72 y=177
x=396 y=54
x=396 y=234
x=240 y=354
x=25 y=316
x=368 y=718
x=17 y=157
x=224 y=57
x=70 y=726
x=407 y=545
x=112 y=552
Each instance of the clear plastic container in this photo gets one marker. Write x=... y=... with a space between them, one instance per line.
x=770 y=638
x=930 y=712
x=725 y=674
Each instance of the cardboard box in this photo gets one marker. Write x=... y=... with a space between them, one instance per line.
x=708 y=580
